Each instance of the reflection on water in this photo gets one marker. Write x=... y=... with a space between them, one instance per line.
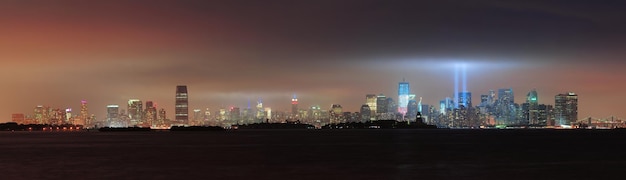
x=313 y=154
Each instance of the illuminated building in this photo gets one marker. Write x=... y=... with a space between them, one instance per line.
x=506 y=96
x=68 y=116
x=135 y=111
x=315 y=113
x=84 y=114
x=113 y=116
x=412 y=109
x=336 y=113
x=531 y=109
x=381 y=104
x=162 y=118
x=197 y=117
x=150 y=114
x=365 y=113
x=18 y=118
x=181 y=111
x=465 y=99
x=39 y=115
x=235 y=115
x=403 y=97
x=566 y=109
x=371 y=101
x=392 y=107
x=484 y=99
x=505 y=110
x=268 y=113
x=260 y=113
x=445 y=105
x=294 y=107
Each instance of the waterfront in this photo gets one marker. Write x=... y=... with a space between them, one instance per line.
x=315 y=154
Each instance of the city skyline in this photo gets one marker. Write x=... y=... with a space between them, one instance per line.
x=57 y=53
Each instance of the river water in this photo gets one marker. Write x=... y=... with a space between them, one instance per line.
x=315 y=154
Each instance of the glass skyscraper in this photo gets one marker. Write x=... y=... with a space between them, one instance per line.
x=403 y=97
x=181 y=111
x=565 y=109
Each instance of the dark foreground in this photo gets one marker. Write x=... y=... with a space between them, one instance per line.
x=315 y=154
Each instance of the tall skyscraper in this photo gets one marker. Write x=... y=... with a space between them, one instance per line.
x=465 y=99
x=294 y=107
x=84 y=114
x=336 y=114
x=365 y=113
x=39 y=115
x=370 y=100
x=181 y=111
x=135 y=111
x=506 y=96
x=565 y=109
x=150 y=113
x=532 y=113
x=113 y=111
x=381 y=104
x=403 y=97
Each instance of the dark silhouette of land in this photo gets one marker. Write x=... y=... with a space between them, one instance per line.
x=12 y=126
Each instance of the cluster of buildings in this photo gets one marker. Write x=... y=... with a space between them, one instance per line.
x=494 y=109
x=55 y=116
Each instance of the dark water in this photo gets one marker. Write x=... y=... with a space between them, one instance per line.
x=315 y=154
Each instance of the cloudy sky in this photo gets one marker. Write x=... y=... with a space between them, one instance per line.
x=57 y=53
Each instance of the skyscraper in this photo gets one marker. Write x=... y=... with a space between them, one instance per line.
x=150 y=113
x=294 y=107
x=532 y=113
x=506 y=96
x=113 y=111
x=181 y=111
x=403 y=97
x=381 y=104
x=135 y=111
x=84 y=114
x=565 y=109
x=365 y=113
x=370 y=100
x=465 y=99
x=336 y=113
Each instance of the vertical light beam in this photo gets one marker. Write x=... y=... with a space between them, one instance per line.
x=456 y=86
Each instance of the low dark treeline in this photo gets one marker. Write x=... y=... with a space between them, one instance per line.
x=380 y=124
x=196 y=128
x=276 y=126
x=12 y=126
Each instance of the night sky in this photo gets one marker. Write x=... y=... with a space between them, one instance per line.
x=57 y=53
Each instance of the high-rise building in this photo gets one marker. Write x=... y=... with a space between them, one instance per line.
x=370 y=100
x=381 y=104
x=84 y=114
x=403 y=97
x=445 y=105
x=294 y=107
x=531 y=110
x=68 y=116
x=412 y=109
x=566 y=109
x=506 y=96
x=235 y=115
x=150 y=113
x=39 y=117
x=260 y=111
x=365 y=113
x=465 y=99
x=181 y=111
x=113 y=111
x=336 y=114
x=135 y=111
x=18 y=118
